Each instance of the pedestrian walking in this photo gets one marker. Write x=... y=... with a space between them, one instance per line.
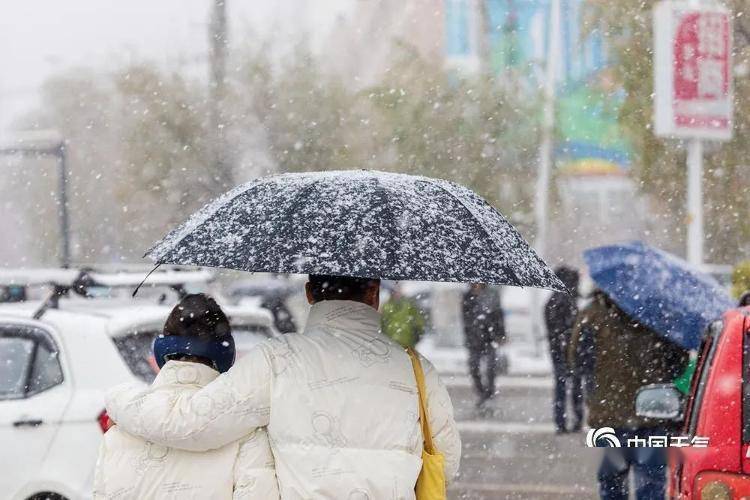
x=340 y=401
x=402 y=320
x=560 y=315
x=484 y=330
x=195 y=346
x=628 y=355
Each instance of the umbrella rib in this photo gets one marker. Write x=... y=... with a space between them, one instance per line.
x=299 y=200
x=474 y=216
x=393 y=225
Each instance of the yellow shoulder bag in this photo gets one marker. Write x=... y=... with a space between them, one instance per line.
x=431 y=480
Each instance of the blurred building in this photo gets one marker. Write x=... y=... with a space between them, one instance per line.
x=510 y=39
x=517 y=37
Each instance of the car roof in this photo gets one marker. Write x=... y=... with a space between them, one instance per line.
x=118 y=317
x=121 y=316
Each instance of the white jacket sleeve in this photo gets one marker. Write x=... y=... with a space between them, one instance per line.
x=442 y=423
x=227 y=409
x=100 y=491
x=254 y=470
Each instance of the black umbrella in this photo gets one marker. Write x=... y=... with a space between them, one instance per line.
x=357 y=223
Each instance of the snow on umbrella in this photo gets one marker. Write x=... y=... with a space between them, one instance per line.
x=360 y=224
x=659 y=290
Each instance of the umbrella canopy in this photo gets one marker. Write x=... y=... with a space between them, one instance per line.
x=360 y=224
x=659 y=290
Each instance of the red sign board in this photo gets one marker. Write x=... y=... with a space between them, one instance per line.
x=693 y=68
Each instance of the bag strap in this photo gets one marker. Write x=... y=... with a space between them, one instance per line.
x=429 y=446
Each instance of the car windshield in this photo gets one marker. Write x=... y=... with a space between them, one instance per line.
x=15 y=356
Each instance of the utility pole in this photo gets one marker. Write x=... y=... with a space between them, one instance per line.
x=541 y=199
x=218 y=42
x=62 y=163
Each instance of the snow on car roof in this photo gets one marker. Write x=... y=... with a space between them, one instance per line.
x=122 y=316
x=248 y=314
x=118 y=316
x=117 y=278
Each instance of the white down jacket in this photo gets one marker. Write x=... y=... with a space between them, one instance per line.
x=339 y=400
x=130 y=468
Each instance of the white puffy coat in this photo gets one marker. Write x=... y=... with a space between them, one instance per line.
x=339 y=400
x=131 y=468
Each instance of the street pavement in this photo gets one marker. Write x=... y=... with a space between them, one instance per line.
x=510 y=450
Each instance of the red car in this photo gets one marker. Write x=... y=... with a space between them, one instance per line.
x=717 y=408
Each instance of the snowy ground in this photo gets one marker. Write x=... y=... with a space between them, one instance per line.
x=522 y=358
x=510 y=449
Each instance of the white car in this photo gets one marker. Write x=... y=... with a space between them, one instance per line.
x=53 y=374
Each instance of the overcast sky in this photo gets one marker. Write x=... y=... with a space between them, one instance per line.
x=41 y=37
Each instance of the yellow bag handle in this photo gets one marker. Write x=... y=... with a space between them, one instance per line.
x=429 y=446
x=431 y=483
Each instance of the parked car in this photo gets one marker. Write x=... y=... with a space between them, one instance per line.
x=52 y=383
x=270 y=294
x=54 y=372
x=717 y=408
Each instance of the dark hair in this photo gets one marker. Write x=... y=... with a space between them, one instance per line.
x=327 y=287
x=197 y=315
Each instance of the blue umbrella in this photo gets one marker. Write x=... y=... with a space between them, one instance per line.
x=659 y=290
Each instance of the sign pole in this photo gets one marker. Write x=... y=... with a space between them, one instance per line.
x=695 y=202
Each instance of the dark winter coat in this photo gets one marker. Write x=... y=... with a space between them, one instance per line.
x=626 y=357
x=483 y=318
x=560 y=316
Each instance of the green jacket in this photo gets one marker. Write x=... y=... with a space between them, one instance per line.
x=402 y=321
x=626 y=357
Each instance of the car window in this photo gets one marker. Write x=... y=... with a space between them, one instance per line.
x=45 y=370
x=702 y=372
x=30 y=362
x=15 y=358
x=136 y=350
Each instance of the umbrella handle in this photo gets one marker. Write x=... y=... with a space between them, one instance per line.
x=144 y=279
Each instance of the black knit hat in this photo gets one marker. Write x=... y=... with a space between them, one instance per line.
x=197 y=315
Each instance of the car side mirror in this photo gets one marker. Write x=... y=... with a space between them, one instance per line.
x=660 y=401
